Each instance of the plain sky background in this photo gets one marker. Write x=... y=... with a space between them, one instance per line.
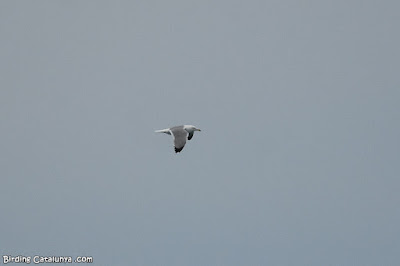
x=297 y=162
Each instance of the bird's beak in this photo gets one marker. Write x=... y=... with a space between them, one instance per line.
x=198 y=129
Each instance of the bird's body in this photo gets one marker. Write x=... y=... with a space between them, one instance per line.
x=180 y=134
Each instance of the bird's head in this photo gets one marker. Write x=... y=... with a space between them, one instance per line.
x=191 y=128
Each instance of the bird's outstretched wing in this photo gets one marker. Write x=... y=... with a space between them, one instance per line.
x=179 y=138
x=190 y=136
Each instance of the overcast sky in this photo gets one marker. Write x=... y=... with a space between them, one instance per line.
x=297 y=162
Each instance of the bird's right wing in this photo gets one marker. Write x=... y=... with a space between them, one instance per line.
x=179 y=139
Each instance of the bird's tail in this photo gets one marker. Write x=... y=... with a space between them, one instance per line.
x=163 y=131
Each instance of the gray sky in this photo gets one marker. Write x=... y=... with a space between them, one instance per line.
x=297 y=162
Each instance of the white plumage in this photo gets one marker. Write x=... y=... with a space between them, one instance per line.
x=180 y=134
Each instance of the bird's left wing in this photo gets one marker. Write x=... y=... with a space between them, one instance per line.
x=190 y=136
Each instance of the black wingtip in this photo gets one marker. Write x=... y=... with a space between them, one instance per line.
x=178 y=150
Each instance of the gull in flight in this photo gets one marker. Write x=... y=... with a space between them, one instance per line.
x=180 y=134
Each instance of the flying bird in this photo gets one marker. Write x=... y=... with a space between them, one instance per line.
x=180 y=134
